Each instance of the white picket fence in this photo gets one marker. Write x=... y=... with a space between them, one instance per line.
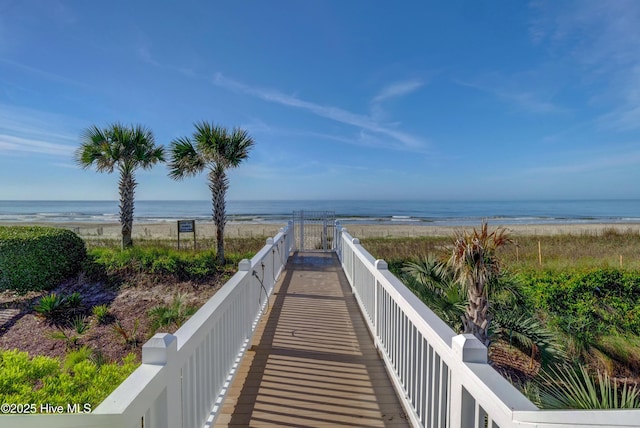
x=442 y=378
x=183 y=377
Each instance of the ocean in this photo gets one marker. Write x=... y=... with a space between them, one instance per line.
x=446 y=213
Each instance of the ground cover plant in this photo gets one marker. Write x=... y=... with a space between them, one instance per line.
x=579 y=303
x=106 y=313
x=78 y=378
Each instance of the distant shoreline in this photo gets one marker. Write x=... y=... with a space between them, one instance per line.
x=206 y=230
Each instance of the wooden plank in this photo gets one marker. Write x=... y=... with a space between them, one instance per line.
x=312 y=362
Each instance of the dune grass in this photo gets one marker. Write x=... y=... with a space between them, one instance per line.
x=559 y=252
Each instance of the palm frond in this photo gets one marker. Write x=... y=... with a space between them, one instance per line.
x=185 y=160
x=210 y=142
x=529 y=335
x=238 y=147
x=428 y=272
x=566 y=387
x=95 y=150
x=145 y=151
x=434 y=284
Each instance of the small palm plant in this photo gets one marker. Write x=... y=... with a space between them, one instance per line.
x=177 y=313
x=476 y=268
x=216 y=149
x=434 y=282
x=125 y=148
x=567 y=387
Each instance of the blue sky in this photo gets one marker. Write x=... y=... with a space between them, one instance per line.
x=345 y=99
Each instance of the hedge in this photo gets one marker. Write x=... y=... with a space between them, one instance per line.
x=34 y=258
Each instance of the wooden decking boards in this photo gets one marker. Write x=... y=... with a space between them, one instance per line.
x=312 y=363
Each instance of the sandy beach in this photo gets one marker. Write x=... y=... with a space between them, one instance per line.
x=206 y=230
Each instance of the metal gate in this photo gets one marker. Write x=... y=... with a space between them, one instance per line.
x=313 y=230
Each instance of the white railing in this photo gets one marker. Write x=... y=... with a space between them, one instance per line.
x=442 y=378
x=183 y=377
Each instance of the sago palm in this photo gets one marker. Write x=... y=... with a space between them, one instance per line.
x=476 y=267
x=216 y=149
x=125 y=148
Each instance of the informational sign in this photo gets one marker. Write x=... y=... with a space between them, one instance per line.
x=187 y=226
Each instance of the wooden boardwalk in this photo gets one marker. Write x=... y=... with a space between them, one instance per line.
x=312 y=363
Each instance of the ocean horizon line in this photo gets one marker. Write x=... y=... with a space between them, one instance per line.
x=348 y=211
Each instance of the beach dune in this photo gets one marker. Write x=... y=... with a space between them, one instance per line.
x=206 y=230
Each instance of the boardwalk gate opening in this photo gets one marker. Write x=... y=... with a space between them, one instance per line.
x=313 y=230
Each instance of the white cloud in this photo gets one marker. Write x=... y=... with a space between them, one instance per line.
x=361 y=138
x=603 y=40
x=511 y=91
x=41 y=73
x=14 y=145
x=25 y=130
x=337 y=114
x=397 y=89
x=394 y=90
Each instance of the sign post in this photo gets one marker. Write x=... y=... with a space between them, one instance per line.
x=187 y=226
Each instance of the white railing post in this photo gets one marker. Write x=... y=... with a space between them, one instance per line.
x=301 y=231
x=462 y=409
x=343 y=230
x=245 y=266
x=354 y=257
x=291 y=236
x=161 y=350
x=379 y=265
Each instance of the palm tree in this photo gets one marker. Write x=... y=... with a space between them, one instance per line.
x=434 y=282
x=125 y=148
x=476 y=267
x=216 y=149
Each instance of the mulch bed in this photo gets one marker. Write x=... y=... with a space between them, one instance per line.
x=21 y=328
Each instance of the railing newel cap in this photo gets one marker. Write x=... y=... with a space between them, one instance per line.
x=158 y=349
x=381 y=265
x=269 y=241
x=355 y=240
x=469 y=349
x=244 y=265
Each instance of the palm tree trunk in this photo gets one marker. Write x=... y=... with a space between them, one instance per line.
x=218 y=184
x=476 y=320
x=127 y=187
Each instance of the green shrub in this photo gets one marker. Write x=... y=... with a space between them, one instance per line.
x=38 y=258
x=45 y=380
x=51 y=306
x=101 y=312
x=587 y=304
x=155 y=260
x=58 y=308
x=93 y=270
